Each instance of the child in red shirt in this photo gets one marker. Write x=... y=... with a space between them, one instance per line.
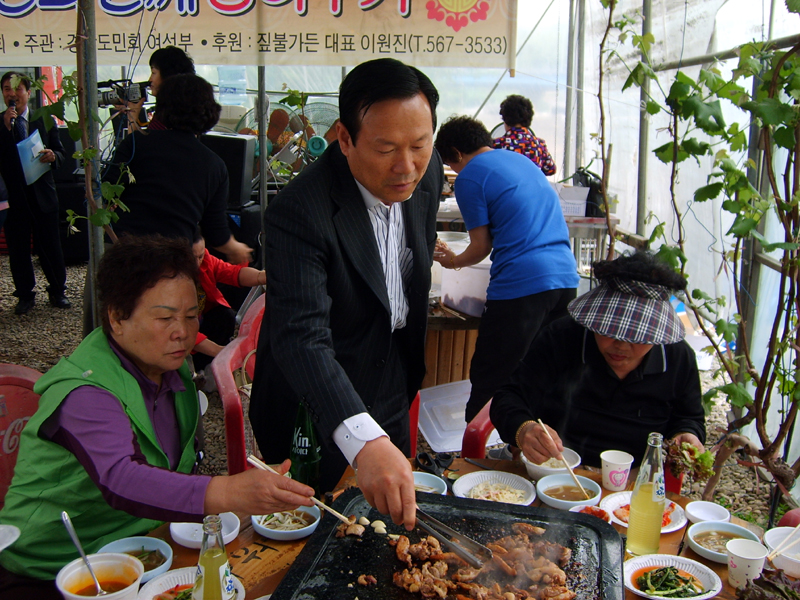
x=217 y=318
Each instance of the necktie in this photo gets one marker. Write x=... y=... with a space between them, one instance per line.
x=19 y=127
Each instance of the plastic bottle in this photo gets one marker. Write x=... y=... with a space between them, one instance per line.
x=214 y=580
x=306 y=452
x=647 y=501
x=232 y=85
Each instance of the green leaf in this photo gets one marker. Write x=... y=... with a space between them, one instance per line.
x=742 y=226
x=726 y=329
x=770 y=110
x=658 y=232
x=75 y=130
x=652 y=107
x=793 y=6
x=678 y=92
x=695 y=147
x=698 y=294
x=737 y=394
x=665 y=153
x=733 y=206
x=708 y=192
x=672 y=255
x=784 y=136
x=707 y=115
x=111 y=191
x=771 y=246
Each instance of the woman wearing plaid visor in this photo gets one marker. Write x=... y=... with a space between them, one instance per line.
x=606 y=376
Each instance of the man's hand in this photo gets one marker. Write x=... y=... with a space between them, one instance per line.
x=537 y=446
x=385 y=479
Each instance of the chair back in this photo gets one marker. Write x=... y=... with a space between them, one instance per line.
x=18 y=402
x=476 y=435
x=223 y=367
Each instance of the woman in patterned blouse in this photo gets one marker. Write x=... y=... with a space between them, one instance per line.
x=517 y=113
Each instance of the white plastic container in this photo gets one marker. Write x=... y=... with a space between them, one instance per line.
x=441 y=416
x=465 y=289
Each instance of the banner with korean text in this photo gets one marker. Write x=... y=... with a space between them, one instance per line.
x=446 y=33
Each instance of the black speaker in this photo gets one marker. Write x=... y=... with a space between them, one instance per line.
x=74 y=245
x=238 y=152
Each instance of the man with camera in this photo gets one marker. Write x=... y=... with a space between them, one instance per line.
x=32 y=208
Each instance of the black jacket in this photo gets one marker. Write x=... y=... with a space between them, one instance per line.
x=326 y=332
x=565 y=381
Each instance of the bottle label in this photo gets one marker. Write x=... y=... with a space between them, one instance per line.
x=300 y=444
x=225 y=579
x=659 y=489
x=228 y=589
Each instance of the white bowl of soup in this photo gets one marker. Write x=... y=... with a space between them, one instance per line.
x=789 y=561
x=118 y=574
x=155 y=553
x=288 y=525
x=708 y=538
x=560 y=491
x=552 y=466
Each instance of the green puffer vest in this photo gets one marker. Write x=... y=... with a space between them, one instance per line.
x=49 y=479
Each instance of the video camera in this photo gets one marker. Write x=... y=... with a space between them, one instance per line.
x=121 y=90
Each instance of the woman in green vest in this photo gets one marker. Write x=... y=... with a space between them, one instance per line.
x=114 y=439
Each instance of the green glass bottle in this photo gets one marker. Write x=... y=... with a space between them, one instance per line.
x=306 y=452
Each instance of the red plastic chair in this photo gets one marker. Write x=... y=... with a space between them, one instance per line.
x=476 y=435
x=17 y=403
x=223 y=367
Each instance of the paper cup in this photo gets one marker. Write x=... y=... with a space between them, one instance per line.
x=745 y=561
x=616 y=467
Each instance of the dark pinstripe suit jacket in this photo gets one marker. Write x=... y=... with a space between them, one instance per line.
x=326 y=332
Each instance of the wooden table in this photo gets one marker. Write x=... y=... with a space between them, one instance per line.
x=261 y=564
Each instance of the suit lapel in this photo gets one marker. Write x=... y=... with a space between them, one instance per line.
x=354 y=229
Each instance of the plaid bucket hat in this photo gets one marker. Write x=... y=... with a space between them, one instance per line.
x=629 y=310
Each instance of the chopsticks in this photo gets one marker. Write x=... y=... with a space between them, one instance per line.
x=566 y=464
x=783 y=547
x=265 y=467
x=464 y=546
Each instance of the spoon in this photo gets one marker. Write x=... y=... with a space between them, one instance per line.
x=74 y=535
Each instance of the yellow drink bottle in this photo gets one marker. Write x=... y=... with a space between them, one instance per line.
x=647 y=501
x=213 y=580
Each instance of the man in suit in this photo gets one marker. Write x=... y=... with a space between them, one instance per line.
x=32 y=208
x=349 y=250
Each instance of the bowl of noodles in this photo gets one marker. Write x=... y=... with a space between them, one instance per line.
x=552 y=466
x=287 y=525
x=495 y=486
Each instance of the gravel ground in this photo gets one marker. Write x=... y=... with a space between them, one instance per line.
x=40 y=338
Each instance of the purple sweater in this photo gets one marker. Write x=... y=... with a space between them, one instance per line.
x=92 y=424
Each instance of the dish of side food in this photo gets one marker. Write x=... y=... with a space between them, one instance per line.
x=172 y=584
x=664 y=575
x=496 y=486
x=618 y=507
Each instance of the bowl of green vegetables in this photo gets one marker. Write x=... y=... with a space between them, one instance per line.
x=666 y=576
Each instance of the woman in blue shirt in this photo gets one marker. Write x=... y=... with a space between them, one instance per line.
x=512 y=212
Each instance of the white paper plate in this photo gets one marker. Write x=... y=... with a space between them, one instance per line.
x=170 y=579
x=613 y=501
x=465 y=483
x=708 y=579
x=8 y=535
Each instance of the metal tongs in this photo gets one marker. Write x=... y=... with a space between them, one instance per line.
x=465 y=547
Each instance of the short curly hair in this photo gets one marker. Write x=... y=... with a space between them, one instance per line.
x=186 y=102
x=171 y=60
x=516 y=110
x=133 y=265
x=461 y=135
x=642 y=266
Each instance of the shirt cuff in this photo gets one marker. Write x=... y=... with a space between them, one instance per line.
x=354 y=432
